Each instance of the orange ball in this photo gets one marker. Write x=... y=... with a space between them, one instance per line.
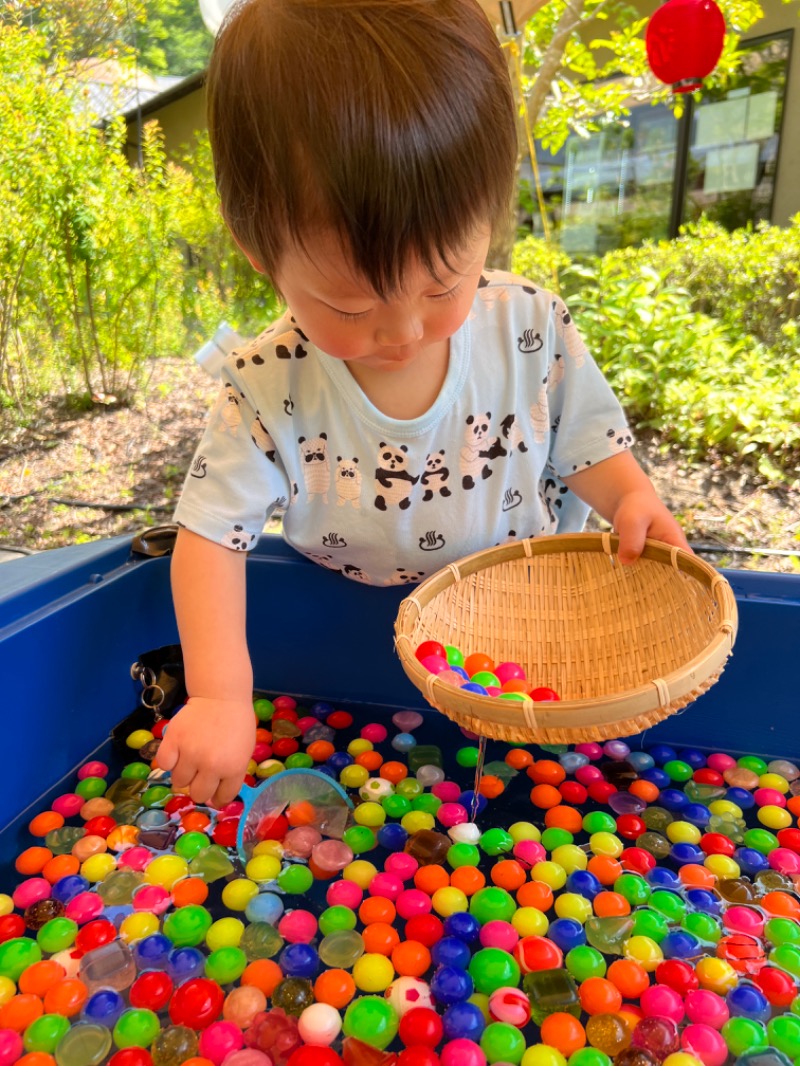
x=37 y=979
x=604 y=868
x=36 y=1058
x=610 y=905
x=693 y=875
x=264 y=974
x=301 y=812
x=793 y=806
x=66 y=998
x=516 y=684
x=490 y=786
x=32 y=861
x=630 y=1015
x=598 y=995
x=564 y=817
x=468 y=879
x=477 y=663
x=123 y=837
x=644 y=790
x=380 y=938
x=370 y=760
x=334 y=987
x=535 y=894
x=547 y=772
x=430 y=878
x=263 y=736
x=545 y=796
x=519 y=758
x=189 y=890
x=60 y=866
x=629 y=976
x=195 y=821
x=563 y=1032
x=393 y=771
x=508 y=874
x=377 y=909
x=20 y=1011
x=320 y=750
x=780 y=904
x=411 y=958
x=43 y=823
x=198 y=1060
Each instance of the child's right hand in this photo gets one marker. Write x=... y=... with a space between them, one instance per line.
x=207 y=746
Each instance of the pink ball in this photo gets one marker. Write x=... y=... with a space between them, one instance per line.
x=720 y=762
x=304 y=724
x=232 y=809
x=135 y=858
x=744 y=920
x=450 y=814
x=374 y=732
x=249 y=1056
x=262 y=751
x=242 y=1004
x=510 y=1005
x=298 y=927
x=705 y=1044
x=219 y=1040
x=784 y=861
x=83 y=907
x=153 y=898
x=462 y=1053
x=587 y=774
x=446 y=791
x=413 y=902
x=401 y=865
x=661 y=1001
x=344 y=894
x=451 y=677
x=468 y=733
x=300 y=841
x=11 y=1047
x=68 y=805
x=387 y=885
x=434 y=665
x=769 y=797
x=529 y=852
x=708 y=1007
x=31 y=891
x=493 y=690
x=498 y=934
x=93 y=769
x=509 y=672
x=590 y=750
x=284 y=703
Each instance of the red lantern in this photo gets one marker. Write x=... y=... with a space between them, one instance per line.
x=684 y=41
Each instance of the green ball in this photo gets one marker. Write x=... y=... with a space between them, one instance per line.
x=555 y=749
x=485 y=678
x=335 y=918
x=136 y=771
x=46 y=1033
x=17 y=954
x=783 y=1032
x=599 y=822
x=426 y=802
x=408 y=787
x=743 y=1035
x=454 y=655
x=359 y=838
x=371 y=1019
x=226 y=965
x=634 y=888
x=752 y=762
x=491 y=968
x=463 y=855
x=501 y=1042
x=396 y=806
x=669 y=904
x=703 y=926
x=492 y=904
x=299 y=761
x=588 y=1056
x=264 y=709
x=188 y=845
x=136 y=1027
x=650 y=923
x=584 y=961
x=57 y=935
x=782 y=931
x=786 y=957
x=90 y=787
x=156 y=796
x=760 y=839
x=496 y=842
x=678 y=770
x=296 y=879
x=187 y=926
x=468 y=757
x=554 y=837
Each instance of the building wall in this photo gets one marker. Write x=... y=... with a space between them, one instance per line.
x=180 y=120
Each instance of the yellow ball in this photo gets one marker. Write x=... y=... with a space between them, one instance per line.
x=369 y=813
x=571 y=905
x=416 y=820
x=449 y=900
x=542 y=1055
x=528 y=921
x=268 y=768
x=7 y=990
x=725 y=808
x=524 y=831
x=481 y=1001
x=252 y=766
x=225 y=933
x=716 y=975
x=263 y=868
x=643 y=950
x=722 y=866
x=606 y=844
x=681 y=1058
x=776 y=781
x=354 y=776
x=550 y=873
x=683 y=833
x=268 y=847
x=360 y=871
x=774 y=817
x=97 y=867
x=164 y=871
x=138 y=925
x=359 y=746
x=6 y=904
x=571 y=857
x=138 y=738
x=237 y=894
x=373 y=973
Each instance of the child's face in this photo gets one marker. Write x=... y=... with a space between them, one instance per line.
x=343 y=316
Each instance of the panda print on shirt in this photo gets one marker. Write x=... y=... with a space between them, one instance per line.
x=540 y=415
x=316 y=465
x=393 y=480
x=477 y=450
x=262 y=439
x=229 y=417
x=434 y=477
x=348 y=482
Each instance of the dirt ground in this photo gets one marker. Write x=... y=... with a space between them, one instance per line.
x=71 y=477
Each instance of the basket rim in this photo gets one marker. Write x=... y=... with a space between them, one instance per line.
x=655 y=695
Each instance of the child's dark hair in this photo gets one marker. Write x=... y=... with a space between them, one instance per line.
x=390 y=121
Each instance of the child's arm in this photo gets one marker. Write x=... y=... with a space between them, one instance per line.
x=620 y=491
x=208 y=744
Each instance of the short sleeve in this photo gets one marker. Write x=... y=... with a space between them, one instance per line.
x=587 y=421
x=236 y=478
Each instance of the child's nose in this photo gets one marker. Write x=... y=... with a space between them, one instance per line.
x=398 y=330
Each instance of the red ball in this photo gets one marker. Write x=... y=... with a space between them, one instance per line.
x=777 y=986
x=789 y=838
x=430 y=647
x=630 y=826
x=421 y=1025
x=426 y=928
x=178 y=803
x=677 y=975
x=418 y=1056
x=197 y=1003
x=11 y=926
x=637 y=860
x=157 y=728
x=599 y=791
x=132 y=1056
x=287 y=714
x=707 y=776
x=273 y=828
x=311 y=1055
x=95 y=934
x=283 y=747
x=100 y=826
x=537 y=953
x=225 y=832
x=339 y=720
x=573 y=792
x=152 y=990
x=544 y=695
x=717 y=844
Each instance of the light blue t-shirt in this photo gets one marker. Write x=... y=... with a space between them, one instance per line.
x=386 y=501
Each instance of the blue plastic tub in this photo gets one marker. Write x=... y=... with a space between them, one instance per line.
x=72 y=621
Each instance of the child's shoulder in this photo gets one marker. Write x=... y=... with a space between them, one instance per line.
x=501 y=291
x=281 y=342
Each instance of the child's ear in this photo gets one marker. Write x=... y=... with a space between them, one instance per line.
x=254 y=263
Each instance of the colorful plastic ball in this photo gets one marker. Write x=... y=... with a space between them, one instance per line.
x=663 y=1001
x=534 y=953
x=296 y=960
x=783 y=1033
x=502 y=1043
x=510 y=1005
x=563 y=1032
x=422 y=1026
x=583 y=961
x=196 y=1003
x=464 y=1021
x=491 y=968
x=742 y=1035
x=451 y=984
x=405 y=993
x=372 y=1020
x=542 y=1055
x=748 y=1001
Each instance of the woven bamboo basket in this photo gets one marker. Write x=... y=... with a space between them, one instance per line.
x=624 y=646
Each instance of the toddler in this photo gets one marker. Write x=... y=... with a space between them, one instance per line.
x=410 y=406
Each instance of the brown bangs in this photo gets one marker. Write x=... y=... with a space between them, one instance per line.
x=390 y=121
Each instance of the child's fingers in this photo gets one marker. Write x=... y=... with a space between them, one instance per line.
x=204 y=786
x=632 y=532
x=183 y=773
x=167 y=754
x=228 y=790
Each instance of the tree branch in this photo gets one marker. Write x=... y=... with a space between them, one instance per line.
x=570 y=18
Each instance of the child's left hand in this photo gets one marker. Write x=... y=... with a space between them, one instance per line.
x=639 y=515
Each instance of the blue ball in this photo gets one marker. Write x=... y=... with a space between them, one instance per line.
x=329 y=771
x=392 y=836
x=104 y=1007
x=451 y=951
x=685 y=853
x=741 y=797
x=299 y=960
x=662 y=877
x=321 y=710
x=678 y=944
x=572 y=761
x=185 y=963
x=461 y=672
x=673 y=799
x=566 y=934
x=751 y=861
x=696 y=813
x=265 y=907
x=339 y=760
x=656 y=777
x=67 y=888
x=696 y=759
x=451 y=984
x=151 y=952
x=404 y=742
x=465 y=799
x=583 y=884
x=463 y=925
x=463 y=1021
x=662 y=753
x=471 y=686
x=641 y=761
x=701 y=899
x=748 y=1001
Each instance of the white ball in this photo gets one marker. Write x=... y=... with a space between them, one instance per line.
x=429 y=775
x=319 y=1024
x=466 y=833
x=70 y=964
x=375 y=788
x=408 y=992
